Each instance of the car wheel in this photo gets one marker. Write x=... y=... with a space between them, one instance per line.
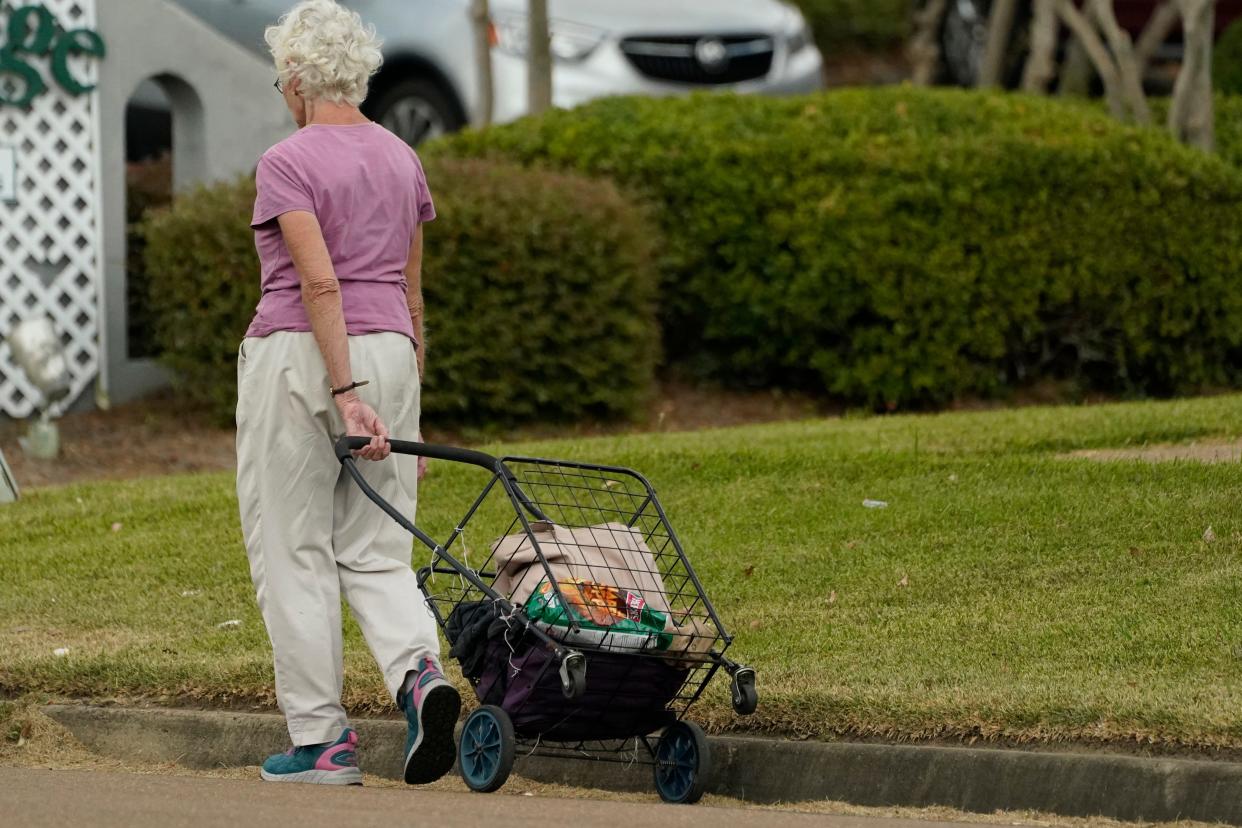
x=416 y=111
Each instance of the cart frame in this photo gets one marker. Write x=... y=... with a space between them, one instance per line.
x=681 y=739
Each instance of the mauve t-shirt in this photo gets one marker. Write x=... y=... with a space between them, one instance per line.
x=368 y=190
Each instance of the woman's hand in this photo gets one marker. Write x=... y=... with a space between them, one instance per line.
x=362 y=421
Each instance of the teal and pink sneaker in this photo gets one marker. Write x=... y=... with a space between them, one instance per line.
x=431 y=706
x=335 y=763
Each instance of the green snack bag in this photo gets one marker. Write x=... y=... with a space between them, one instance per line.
x=606 y=618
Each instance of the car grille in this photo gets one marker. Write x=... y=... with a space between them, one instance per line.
x=701 y=60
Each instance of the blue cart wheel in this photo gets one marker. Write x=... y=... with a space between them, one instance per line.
x=486 y=748
x=683 y=762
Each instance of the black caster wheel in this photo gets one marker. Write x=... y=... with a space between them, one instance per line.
x=745 y=696
x=573 y=675
x=682 y=764
x=485 y=749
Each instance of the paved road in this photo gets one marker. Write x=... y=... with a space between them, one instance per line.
x=37 y=798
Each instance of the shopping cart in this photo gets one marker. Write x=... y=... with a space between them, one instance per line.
x=633 y=639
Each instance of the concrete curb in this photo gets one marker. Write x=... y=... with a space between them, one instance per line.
x=756 y=770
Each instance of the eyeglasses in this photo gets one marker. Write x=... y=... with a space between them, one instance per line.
x=279 y=87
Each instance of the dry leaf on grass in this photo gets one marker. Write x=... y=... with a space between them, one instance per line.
x=832 y=597
x=748 y=571
x=1209 y=535
x=904 y=582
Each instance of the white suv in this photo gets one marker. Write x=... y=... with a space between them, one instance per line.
x=428 y=83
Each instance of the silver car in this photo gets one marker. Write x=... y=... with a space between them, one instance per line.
x=428 y=84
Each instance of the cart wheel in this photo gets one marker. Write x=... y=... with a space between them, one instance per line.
x=745 y=697
x=683 y=762
x=485 y=749
x=573 y=675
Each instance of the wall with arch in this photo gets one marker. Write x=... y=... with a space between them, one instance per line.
x=224 y=115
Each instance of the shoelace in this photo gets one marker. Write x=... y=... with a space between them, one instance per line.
x=293 y=751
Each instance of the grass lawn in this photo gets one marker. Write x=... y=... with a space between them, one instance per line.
x=1007 y=592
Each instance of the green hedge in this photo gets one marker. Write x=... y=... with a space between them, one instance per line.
x=539 y=290
x=1229 y=129
x=901 y=247
x=1228 y=112
x=1227 y=60
x=851 y=25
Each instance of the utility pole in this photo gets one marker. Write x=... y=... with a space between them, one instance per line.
x=539 y=58
x=481 y=16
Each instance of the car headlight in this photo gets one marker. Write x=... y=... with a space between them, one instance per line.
x=800 y=39
x=569 y=41
x=798 y=32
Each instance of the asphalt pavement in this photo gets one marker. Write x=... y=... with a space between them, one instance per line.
x=34 y=798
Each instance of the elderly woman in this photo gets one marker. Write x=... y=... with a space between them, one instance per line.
x=335 y=348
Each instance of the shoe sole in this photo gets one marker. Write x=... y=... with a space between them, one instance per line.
x=436 y=751
x=345 y=776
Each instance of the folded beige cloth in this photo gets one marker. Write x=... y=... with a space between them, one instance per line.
x=692 y=641
x=610 y=553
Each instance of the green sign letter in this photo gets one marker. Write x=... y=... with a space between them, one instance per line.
x=20 y=31
x=76 y=42
x=34 y=85
x=33 y=31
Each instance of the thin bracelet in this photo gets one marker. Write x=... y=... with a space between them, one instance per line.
x=346 y=388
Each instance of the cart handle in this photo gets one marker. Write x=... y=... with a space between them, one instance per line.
x=346 y=445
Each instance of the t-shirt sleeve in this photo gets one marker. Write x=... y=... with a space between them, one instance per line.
x=281 y=189
x=426 y=207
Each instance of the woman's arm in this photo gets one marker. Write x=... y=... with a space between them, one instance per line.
x=414 y=295
x=321 y=295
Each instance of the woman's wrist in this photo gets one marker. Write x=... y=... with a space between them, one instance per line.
x=346 y=399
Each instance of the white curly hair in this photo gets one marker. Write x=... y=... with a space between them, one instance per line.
x=328 y=48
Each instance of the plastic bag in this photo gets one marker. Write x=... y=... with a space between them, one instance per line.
x=607 y=618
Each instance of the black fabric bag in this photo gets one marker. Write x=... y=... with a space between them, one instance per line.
x=626 y=694
x=468 y=628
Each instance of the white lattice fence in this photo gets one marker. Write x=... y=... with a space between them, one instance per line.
x=50 y=257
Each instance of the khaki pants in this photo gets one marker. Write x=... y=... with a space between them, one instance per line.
x=310 y=533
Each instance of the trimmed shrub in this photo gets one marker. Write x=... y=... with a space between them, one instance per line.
x=852 y=25
x=203 y=282
x=541 y=295
x=539 y=290
x=1228 y=128
x=901 y=247
x=1228 y=112
x=1227 y=60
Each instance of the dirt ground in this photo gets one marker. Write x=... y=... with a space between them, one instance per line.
x=162 y=435
x=165 y=436
x=1207 y=451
